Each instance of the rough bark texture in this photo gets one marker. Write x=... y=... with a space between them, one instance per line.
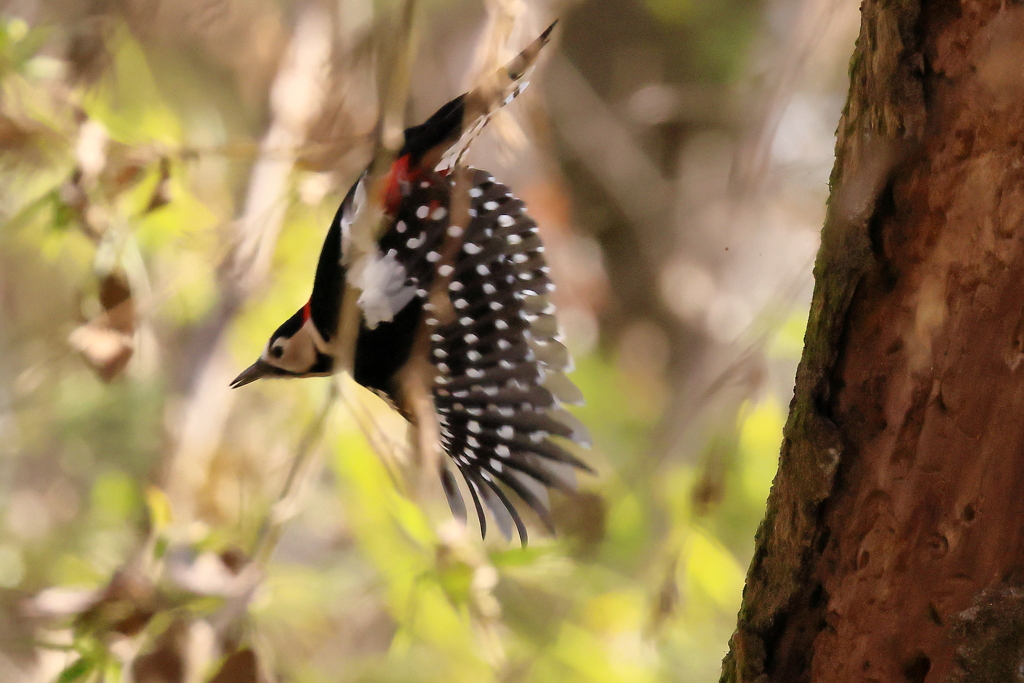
x=893 y=544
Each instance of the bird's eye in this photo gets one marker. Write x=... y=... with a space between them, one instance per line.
x=276 y=351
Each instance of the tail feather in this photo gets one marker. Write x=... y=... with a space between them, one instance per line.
x=475 y=494
x=454 y=496
x=510 y=480
x=503 y=512
x=494 y=93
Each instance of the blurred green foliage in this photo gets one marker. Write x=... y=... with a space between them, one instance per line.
x=718 y=31
x=366 y=585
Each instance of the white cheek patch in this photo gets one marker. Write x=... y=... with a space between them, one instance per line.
x=384 y=288
x=299 y=352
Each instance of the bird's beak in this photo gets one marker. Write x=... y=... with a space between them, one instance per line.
x=256 y=371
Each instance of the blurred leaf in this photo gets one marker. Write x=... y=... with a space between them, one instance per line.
x=106 y=350
x=239 y=667
x=164 y=663
x=159 y=506
x=713 y=570
x=456 y=580
x=581 y=519
x=76 y=671
x=162 y=192
x=760 y=439
x=626 y=529
x=673 y=10
x=535 y=611
x=519 y=557
x=114 y=497
x=615 y=611
x=127 y=101
x=106 y=342
x=124 y=606
x=788 y=342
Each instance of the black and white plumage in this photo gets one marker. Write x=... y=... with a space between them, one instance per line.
x=499 y=385
x=498 y=366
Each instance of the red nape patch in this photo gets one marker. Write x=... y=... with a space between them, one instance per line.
x=399 y=175
x=307 y=311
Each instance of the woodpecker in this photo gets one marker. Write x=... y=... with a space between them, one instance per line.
x=498 y=364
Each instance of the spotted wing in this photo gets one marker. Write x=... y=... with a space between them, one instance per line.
x=500 y=380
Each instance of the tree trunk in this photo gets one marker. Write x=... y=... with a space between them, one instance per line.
x=893 y=543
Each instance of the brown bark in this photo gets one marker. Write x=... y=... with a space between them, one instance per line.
x=893 y=544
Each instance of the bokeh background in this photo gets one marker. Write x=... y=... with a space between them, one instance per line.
x=168 y=169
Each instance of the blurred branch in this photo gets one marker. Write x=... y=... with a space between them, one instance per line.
x=394 y=455
x=367 y=225
x=286 y=506
x=296 y=96
x=753 y=156
x=599 y=141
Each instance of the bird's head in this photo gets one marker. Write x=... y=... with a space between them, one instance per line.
x=294 y=350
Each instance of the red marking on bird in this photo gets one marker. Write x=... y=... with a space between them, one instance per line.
x=399 y=175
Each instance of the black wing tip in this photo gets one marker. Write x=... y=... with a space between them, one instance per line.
x=529 y=498
x=512 y=511
x=451 y=492
x=546 y=35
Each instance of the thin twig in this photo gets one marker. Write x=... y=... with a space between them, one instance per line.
x=296 y=97
x=368 y=223
x=392 y=454
x=281 y=511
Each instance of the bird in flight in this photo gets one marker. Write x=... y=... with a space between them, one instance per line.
x=490 y=342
